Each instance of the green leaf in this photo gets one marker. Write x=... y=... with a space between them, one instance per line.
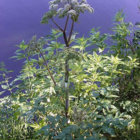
x=4 y=86
x=76 y=47
x=108 y=130
x=16 y=115
x=60 y=136
x=22 y=46
x=2 y=92
x=119 y=16
x=101 y=50
x=95 y=94
x=50 y=49
x=113 y=96
x=19 y=56
x=94 y=136
x=35 y=126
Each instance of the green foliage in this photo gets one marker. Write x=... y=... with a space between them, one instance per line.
x=126 y=44
x=13 y=125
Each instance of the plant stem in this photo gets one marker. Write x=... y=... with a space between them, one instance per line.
x=65 y=39
x=66 y=23
x=71 y=31
x=66 y=87
x=64 y=32
x=57 y=25
x=67 y=69
x=48 y=68
x=66 y=61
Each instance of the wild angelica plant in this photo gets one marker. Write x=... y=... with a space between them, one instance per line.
x=70 y=9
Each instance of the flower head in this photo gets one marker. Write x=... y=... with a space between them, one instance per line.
x=63 y=1
x=87 y=7
x=53 y=7
x=67 y=7
x=74 y=2
x=62 y=8
x=60 y=11
x=84 y=1
x=72 y=12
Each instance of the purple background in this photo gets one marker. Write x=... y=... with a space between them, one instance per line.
x=20 y=19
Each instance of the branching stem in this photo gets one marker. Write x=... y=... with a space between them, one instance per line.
x=71 y=31
x=48 y=68
x=67 y=41
x=66 y=23
x=57 y=24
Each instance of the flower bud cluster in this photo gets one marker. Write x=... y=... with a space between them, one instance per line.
x=48 y=15
x=35 y=45
x=62 y=8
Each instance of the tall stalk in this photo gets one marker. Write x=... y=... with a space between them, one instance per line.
x=67 y=41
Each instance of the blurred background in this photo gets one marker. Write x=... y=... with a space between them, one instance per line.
x=20 y=20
